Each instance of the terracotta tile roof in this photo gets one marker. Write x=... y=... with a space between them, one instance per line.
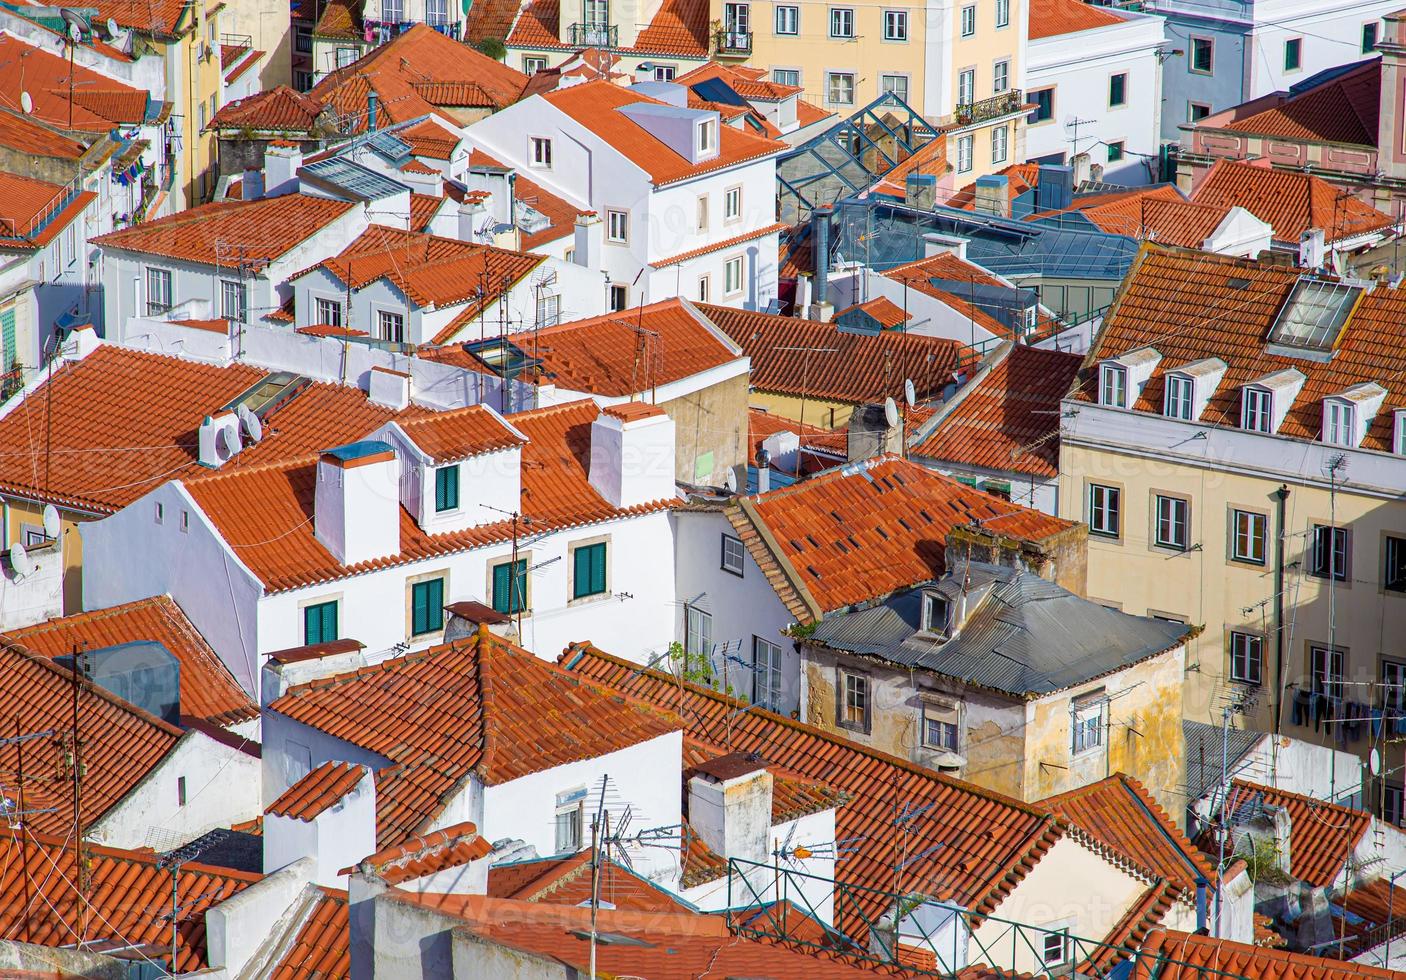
x=266 y=228
x=21 y=133
x=33 y=217
x=559 y=212
x=820 y=448
x=217 y=325
x=1049 y=18
x=279 y=110
x=1120 y=813
x=158 y=17
x=883 y=310
x=1172 y=955
x=1020 y=177
x=1007 y=417
x=125 y=895
x=567 y=881
x=596 y=105
x=977 y=845
x=461 y=433
x=121 y=743
x=321 y=946
x=413 y=166
x=328 y=330
x=718 y=246
x=866 y=530
x=409 y=74
x=1229 y=315
x=679 y=29
x=340 y=20
x=481 y=707
x=862 y=368
x=931 y=158
x=439 y=850
x=668 y=946
x=432 y=270
x=745 y=83
x=1341 y=110
x=699 y=863
x=931 y=277
x=556 y=494
x=98 y=102
x=490 y=19
x=1265 y=934
x=310 y=796
x=429 y=138
x=792 y=796
x=1147 y=913
x=208 y=690
x=110 y=442
x=1162 y=217
x=1373 y=917
x=1289 y=201
x=423 y=207
x=1322 y=835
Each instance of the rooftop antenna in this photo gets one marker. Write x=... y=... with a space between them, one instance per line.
x=890 y=413
x=730 y=481
x=175 y=860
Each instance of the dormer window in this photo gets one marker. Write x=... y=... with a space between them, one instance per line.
x=1339 y=423
x=1180 y=398
x=1257 y=410
x=1113 y=386
x=936 y=613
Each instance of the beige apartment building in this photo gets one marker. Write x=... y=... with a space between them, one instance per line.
x=1238 y=451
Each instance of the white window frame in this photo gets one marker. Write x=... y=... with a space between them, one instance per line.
x=386 y=325
x=1000 y=143
x=539 y=152
x=895 y=25
x=1249 y=536
x=854 y=690
x=966 y=153
x=620 y=289
x=1003 y=13
x=705 y=288
x=887 y=86
x=936 y=613
x=734 y=556
x=966 y=86
x=1180 y=397
x=700 y=217
x=1327 y=667
x=240 y=293
x=943 y=717
x=1086 y=724
x=734 y=276
x=831 y=77
x=1054 y=948
x=532 y=64
x=548 y=309
x=160 y=296
x=1000 y=76
x=842 y=23
x=766 y=674
x=1246 y=657
x=1113 y=385
x=1339 y=423
x=705 y=136
x=665 y=73
x=1340 y=557
x=436 y=12
x=329 y=311
x=732 y=204
x=969 y=20
x=617 y=226
x=570 y=805
x=1171 y=518
x=789 y=73
x=698 y=632
x=1105 y=508
x=787 y=15
x=1256 y=409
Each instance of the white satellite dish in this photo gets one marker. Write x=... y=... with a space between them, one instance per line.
x=20 y=561
x=253 y=427
x=910 y=394
x=27 y=103
x=730 y=481
x=890 y=412
x=112 y=29
x=226 y=443
x=1374 y=762
x=75 y=33
x=51 y=521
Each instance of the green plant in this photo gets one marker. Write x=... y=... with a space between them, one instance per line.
x=493 y=47
x=697 y=668
x=1262 y=862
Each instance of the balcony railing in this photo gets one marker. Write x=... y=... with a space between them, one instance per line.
x=733 y=42
x=970 y=113
x=595 y=36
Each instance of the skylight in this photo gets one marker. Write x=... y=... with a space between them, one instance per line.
x=1314 y=315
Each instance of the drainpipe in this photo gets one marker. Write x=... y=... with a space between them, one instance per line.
x=1281 y=497
x=1201 y=907
x=371 y=100
x=820 y=250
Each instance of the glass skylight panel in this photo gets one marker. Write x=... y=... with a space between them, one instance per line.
x=1314 y=314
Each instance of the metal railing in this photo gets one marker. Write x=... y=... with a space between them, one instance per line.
x=48 y=212
x=970 y=113
x=733 y=42
x=595 y=36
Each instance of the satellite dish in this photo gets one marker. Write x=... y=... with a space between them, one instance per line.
x=730 y=481
x=226 y=443
x=253 y=427
x=27 y=103
x=112 y=29
x=910 y=394
x=77 y=25
x=51 y=521
x=1374 y=762
x=890 y=412
x=75 y=34
x=20 y=561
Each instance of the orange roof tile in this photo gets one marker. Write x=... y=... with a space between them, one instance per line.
x=158 y=17
x=98 y=102
x=328 y=330
x=1006 y=417
x=423 y=207
x=1289 y=201
x=125 y=896
x=805 y=357
x=931 y=158
x=1146 y=914
x=110 y=443
x=560 y=213
x=679 y=29
x=266 y=229
x=461 y=433
x=340 y=20
x=36 y=211
x=596 y=105
x=481 y=707
x=413 y=166
x=1169 y=955
x=567 y=881
x=951 y=273
x=208 y=690
x=279 y=109
x=1049 y=18
x=429 y=138
x=718 y=246
x=1371 y=918
x=21 y=133
x=121 y=743
x=1160 y=215
x=426 y=854
x=413 y=73
x=556 y=493
x=975 y=845
x=745 y=83
x=884 y=311
x=1229 y=315
x=866 y=530
x=320 y=946
x=1341 y=110
x=820 y=448
x=1322 y=835
x=1020 y=177
x=322 y=787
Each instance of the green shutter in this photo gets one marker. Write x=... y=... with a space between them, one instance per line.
x=446 y=488
x=427 y=606
x=7 y=338
x=598 y=568
x=589 y=571
x=500 y=588
x=320 y=623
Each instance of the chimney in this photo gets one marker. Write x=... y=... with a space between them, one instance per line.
x=993 y=195
x=251 y=185
x=388 y=388
x=356 y=505
x=871 y=435
x=1083 y=170
x=632 y=454
x=1391 y=119
x=371 y=99
x=1054 y=188
x=588 y=240
x=1312 y=249
x=306 y=820
x=920 y=191
x=219 y=439
x=472 y=210
x=282 y=158
x=935 y=243
x=729 y=806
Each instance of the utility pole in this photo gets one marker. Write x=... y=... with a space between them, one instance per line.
x=80 y=873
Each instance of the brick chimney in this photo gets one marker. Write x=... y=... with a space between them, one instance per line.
x=356 y=506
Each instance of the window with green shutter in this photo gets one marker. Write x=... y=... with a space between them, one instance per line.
x=510 y=586
x=446 y=488
x=320 y=623
x=427 y=606
x=588 y=572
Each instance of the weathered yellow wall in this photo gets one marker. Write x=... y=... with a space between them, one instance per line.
x=811 y=411
x=711 y=421
x=24 y=512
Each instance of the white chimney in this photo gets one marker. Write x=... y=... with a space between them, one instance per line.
x=589 y=241
x=729 y=806
x=281 y=162
x=251 y=185
x=471 y=212
x=936 y=243
x=356 y=505
x=632 y=454
x=389 y=388
x=1312 y=248
x=328 y=814
x=219 y=439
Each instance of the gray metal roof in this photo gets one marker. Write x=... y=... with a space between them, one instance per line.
x=358 y=182
x=1203 y=754
x=1022 y=635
